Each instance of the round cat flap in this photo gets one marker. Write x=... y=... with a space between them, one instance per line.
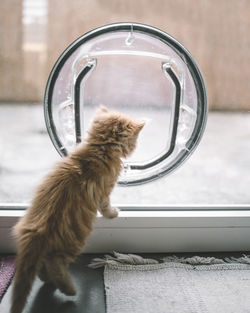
x=138 y=70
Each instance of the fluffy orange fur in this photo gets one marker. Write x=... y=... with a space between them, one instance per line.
x=56 y=225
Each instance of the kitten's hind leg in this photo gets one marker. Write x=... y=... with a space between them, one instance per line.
x=59 y=275
x=107 y=210
x=43 y=274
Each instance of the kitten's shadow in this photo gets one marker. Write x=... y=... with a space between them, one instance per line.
x=47 y=301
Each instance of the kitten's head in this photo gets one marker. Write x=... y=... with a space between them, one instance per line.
x=115 y=129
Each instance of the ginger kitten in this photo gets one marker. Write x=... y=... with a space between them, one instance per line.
x=56 y=225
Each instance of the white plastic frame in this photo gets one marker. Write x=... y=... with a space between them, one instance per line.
x=156 y=229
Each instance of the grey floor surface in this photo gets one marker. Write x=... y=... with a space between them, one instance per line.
x=217 y=173
x=89 y=299
x=90 y=286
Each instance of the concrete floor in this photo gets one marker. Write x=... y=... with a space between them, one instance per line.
x=216 y=173
x=89 y=299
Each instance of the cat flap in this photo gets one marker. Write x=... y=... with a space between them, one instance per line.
x=138 y=70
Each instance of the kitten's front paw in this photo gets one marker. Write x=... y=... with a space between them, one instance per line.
x=111 y=213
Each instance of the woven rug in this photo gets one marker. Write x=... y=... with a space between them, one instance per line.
x=174 y=285
x=7 y=269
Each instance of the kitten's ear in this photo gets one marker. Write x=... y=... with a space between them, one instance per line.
x=140 y=124
x=102 y=109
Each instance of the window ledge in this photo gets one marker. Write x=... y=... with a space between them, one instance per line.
x=156 y=229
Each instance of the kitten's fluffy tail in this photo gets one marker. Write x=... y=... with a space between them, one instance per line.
x=30 y=253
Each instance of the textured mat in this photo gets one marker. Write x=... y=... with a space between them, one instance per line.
x=7 y=269
x=174 y=285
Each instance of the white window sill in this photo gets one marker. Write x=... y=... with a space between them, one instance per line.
x=158 y=229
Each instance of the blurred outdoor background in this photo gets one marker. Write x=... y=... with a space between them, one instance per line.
x=33 y=33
